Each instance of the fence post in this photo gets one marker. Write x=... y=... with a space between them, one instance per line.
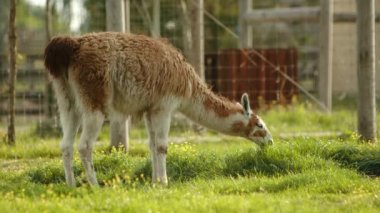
x=245 y=29
x=12 y=73
x=197 y=26
x=49 y=95
x=156 y=19
x=127 y=10
x=325 y=53
x=366 y=69
x=115 y=15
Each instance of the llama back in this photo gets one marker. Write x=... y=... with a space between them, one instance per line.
x=148 y=69
x=118 y=67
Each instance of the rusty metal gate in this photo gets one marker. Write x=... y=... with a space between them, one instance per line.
x=231 y=73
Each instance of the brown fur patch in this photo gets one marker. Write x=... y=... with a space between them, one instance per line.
x=245 y=130
x=58 y=55
x=221 y=106
x=253 y=121
x=155 y=65
x=90 y=66
x=238 y=127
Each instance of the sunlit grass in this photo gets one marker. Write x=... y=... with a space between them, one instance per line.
x=302 y=171
x=207 y=173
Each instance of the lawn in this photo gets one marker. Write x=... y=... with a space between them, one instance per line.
x=207 y=173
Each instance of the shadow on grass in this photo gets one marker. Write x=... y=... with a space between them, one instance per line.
x=184 y=166
x=364 y=161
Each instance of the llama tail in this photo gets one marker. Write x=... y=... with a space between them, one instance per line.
x=58 y=55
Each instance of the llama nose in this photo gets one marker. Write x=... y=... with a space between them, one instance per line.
x=270 y=141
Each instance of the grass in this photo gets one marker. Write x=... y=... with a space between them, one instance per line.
x=208 y=173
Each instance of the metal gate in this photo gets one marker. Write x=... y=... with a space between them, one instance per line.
x=231 y=72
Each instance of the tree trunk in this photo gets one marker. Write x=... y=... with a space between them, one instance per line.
x=12 y=72
x=48 y=20
x=187 y=40
x=197 y=31
x=156 y=19
x=127 y=13
x=325 y=54
x=115 y=14
x=366 y=69
x=49 y=100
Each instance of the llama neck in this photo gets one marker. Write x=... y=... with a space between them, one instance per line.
x=213 y=112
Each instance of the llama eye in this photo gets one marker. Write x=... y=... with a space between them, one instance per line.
x=259 y=125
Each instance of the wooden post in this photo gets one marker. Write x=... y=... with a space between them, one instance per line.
x=325 y=53
x=12 y=73
x=127 y=10
x=156 y=19
x=116 y=21
x=115 y=15
x=197 y=29
x=281 y=15
x=48 y=20
x=187 y=40
x=245 y=29
x=49 y=96
x=366 y=69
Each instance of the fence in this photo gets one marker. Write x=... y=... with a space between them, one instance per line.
x=291 y=46
x=231 y=73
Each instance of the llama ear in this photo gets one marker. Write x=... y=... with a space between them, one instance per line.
x=245 y=104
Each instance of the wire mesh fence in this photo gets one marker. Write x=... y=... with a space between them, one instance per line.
x=291 y=46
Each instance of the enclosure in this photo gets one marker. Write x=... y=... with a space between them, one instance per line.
x=297 y=60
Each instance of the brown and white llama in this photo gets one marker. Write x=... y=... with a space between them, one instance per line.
x=120 y=75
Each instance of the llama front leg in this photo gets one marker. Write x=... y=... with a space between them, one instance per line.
x=92 y=124
x=158 y=125
x=119 y=127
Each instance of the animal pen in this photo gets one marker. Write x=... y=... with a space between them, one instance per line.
x=277 y=51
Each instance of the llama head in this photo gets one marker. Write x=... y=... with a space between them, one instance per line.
x=255 y=128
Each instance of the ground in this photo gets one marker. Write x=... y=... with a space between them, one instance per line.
x=207 y=173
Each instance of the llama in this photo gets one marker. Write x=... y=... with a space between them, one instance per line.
x=120 y=75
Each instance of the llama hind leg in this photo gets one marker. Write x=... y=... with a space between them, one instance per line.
x=92 y=123
x=70 y=121
x=158 y=124
x=119 y=128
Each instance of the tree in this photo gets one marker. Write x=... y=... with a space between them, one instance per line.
x=366 y=69
x=115 y=22
x=49 y=88
x=12 y=69
x=96 y=16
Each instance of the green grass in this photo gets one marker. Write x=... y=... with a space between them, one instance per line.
x=300 y=174
x=207 y=173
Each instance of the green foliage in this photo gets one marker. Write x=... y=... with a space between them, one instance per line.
x=47 y=129
x=29 y=17
x=305 y=118
x=96 y=16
